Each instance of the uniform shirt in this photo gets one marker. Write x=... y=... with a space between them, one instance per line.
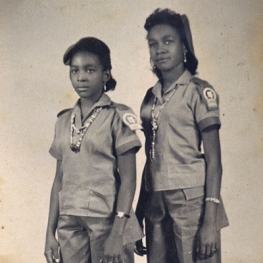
x=90 y=176
x=179 y=162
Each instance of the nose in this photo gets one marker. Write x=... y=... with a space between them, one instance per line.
x=81 y=76
x=160 y=49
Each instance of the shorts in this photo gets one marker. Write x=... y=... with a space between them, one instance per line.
x=82 y=239
x=173 y=219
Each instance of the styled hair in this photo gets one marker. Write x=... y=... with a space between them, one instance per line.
x=181 y=24
x=94 y=46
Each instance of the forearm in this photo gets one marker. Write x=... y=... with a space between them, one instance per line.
x=53 y=212
x=142 y=202
x=127 y=170
x=213 y=186
x=126 y=195
x=54 y=201
x=213 y=171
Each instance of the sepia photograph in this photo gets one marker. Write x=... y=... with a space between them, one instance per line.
x=131 y=131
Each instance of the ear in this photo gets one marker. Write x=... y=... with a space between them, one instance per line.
x=106 y=75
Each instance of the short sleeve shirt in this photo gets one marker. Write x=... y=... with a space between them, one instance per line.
x=90 y=176
x=178 y=161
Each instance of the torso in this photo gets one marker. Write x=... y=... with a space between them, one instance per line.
x=178 y=161
x=90 y=176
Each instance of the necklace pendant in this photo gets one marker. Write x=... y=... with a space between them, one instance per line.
x=74 y=148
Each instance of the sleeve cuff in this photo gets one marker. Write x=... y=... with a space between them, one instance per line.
x=203 y=124
x=55 y=154
x=128 y=146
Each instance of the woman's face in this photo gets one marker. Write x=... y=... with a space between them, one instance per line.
x=166 y=48
x=87 y=75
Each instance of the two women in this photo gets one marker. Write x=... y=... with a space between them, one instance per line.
x=95 y=145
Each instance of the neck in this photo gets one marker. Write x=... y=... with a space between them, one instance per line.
x=86 y=104
x=169 y=77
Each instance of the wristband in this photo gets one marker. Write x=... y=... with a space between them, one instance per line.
x=212 y=199
x=121 y=214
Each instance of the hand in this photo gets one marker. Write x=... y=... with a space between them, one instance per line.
x=113 y=249
x=139 y=249
x=208 y=241
x=52 y=250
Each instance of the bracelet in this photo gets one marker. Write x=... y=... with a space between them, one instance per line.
x=212 y=199
x=121 y=214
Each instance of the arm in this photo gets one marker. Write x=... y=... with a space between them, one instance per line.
x=139 y=249
x=127 y=169
x=208 y=242
x=51 y=247
x=142 y=202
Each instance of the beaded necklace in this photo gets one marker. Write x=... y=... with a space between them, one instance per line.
x=154 y=120
x=75 y=147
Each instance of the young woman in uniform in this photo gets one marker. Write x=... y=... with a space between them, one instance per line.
x=95 y=144
x=181 y=182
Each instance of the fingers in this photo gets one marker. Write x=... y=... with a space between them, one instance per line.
x=139 y=249
x=53 y=255
x=56 y=257
x=207 y=251
x=49 y=256
x=56 y=260
x=111 y=259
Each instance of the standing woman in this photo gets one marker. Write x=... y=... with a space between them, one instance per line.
x=181 y=182
x=95 y=145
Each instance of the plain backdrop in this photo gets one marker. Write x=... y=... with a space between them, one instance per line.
x=35 y=86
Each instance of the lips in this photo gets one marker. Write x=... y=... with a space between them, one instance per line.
x=82 y=88
x=162 y=60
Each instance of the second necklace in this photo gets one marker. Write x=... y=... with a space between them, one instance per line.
x=75 y=147
x=154 y=120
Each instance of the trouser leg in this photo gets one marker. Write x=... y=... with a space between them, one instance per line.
x=128 y=254
x=160 y=242
x=187 y=218
x=73 y=240
x=159 y=232
x=99 y=230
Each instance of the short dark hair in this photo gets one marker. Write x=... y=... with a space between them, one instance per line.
x=169 y=17
x=94 y=46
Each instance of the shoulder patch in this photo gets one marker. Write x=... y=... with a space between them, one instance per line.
x=128 y=117
x=131 y=120
x=63 y=111
x=207 y=93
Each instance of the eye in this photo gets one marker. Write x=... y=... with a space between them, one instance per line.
x=168 y=42
x=152 y=45
x=73 y=71
x=90 y=70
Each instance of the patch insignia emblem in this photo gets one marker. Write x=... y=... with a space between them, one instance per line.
x=131 y=121
x=210 y=98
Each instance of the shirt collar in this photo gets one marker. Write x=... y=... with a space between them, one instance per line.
x=103 y=101
x=184 y=79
